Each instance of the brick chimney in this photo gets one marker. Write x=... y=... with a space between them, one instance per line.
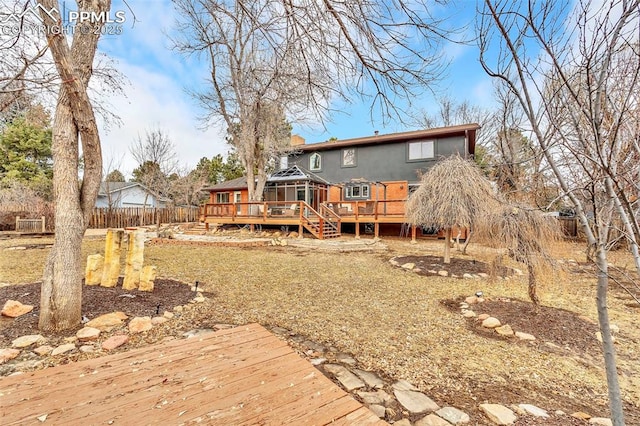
x=297 y=140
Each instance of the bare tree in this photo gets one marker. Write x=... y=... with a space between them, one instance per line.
x=453 y=193
x=575 y=75
x=295 y=59
x=157 y=159
x=25 y=67
x=74 y=124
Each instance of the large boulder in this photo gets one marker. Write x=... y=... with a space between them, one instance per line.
x=93 y=271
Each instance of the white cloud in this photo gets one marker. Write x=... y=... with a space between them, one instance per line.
x=155 y=96
x=155 y=100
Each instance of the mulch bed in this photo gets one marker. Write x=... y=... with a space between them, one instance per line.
x=566 y=330
x=458 y=266
x=96 y=300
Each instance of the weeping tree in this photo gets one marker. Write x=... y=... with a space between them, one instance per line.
x=453 y=193
x=525 y=234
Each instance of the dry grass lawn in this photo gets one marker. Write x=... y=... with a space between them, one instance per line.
x=392 y=320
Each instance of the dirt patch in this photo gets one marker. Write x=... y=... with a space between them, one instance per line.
x=431 y=265
x=96 y=300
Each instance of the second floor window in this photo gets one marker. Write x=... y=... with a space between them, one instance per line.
x=421 y=150
x=315 y=162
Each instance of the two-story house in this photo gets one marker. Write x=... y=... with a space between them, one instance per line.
x=343 y=184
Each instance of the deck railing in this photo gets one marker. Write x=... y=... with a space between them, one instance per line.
x=332 y=211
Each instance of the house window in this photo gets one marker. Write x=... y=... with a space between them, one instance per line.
x=349 y=157
x=356 y=191
x=284 y=162
x=315 y=162
x=421 y=150
x=222 y=197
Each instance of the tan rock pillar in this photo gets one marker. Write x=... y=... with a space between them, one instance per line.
x=148 y=277
x=112 y=249
x=93 y=271
x=135 y=259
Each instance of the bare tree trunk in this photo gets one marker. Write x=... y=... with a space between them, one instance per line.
x=466 y=242
x=61 y=294
x=532 y=283
x=74 y=121
x=609 y=351
x=447 y=245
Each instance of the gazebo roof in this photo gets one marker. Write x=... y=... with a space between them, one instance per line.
x=295 y=173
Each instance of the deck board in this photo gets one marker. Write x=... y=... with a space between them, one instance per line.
x=243 y=375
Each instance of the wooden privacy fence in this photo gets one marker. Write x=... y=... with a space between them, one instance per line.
x=30 y=225
x=137 y=216
x=568 y=226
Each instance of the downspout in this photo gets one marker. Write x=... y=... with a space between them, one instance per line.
x=466 y=144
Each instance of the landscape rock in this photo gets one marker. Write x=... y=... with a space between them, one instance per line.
x=483 y=317
x=43 y=350
x=140 y=324
x=498 y=414
x=601 y=421
x=93 y=271
x=533 y=410
x=63 y=349
x=371 y=379
x=491 y=322
x=24 y=341
x=115 y=341
x=148 y=278
x=467 y=276
x=379 y=397
x=168 y=315
x=403 y=422
x=346 y=378
x=524 y=336
x=196 y=332
x=443 y=273
x=8 y=354
x=415 y=402
x=581 y=415
x=471 y=300
x=408 y=265
x=346 y=359
x=504 y=330
x=14 y=309
x=111 y=268
x=87 y=334
x=432 y=420
x=403 y=385
x=378 y=410
x=87 y=348
x=107 y=322
x=453 y=415
x=134 y=260
x=318 y=361
x=159 y=320
x=468 y=314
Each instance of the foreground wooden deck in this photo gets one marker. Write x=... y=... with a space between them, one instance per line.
x=239 y=376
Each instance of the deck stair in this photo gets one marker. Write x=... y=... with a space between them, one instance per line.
x=199 y=229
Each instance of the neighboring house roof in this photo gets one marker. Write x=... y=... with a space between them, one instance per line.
x=294 y=173
x=228 y=185
x=438 y=132
x=112 y=187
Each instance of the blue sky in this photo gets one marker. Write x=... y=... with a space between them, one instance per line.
x=158 y=77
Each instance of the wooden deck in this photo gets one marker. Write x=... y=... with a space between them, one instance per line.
x=240 y=376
